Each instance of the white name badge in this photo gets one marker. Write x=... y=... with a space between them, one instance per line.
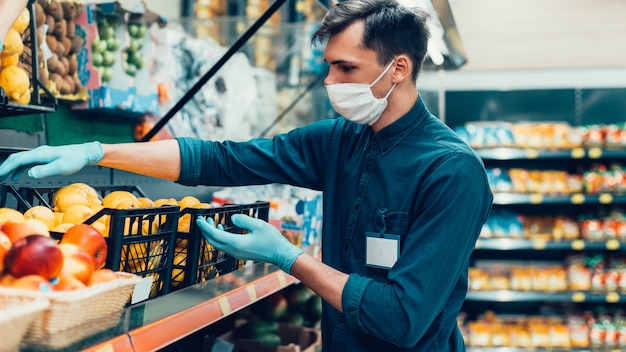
x=381 y=252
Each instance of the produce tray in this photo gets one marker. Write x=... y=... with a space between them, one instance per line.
x=70 y=309
x=195 y=259
x=140 y=241
x=17 y=313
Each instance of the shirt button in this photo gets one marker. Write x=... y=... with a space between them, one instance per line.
x=346 y=246
x=357 y=206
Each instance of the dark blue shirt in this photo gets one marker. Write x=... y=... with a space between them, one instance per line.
x=415 y=179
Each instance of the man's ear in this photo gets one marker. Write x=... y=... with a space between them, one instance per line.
x=403 y=69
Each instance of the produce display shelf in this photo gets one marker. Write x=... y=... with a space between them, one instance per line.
x=529 y=296
x=515 y=349
x=514 y=244
x=162 y=321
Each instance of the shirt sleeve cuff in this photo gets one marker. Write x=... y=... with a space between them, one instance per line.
x=351 y=298
x=190 y=165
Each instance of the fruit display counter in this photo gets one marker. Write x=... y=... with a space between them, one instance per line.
x=157 y=323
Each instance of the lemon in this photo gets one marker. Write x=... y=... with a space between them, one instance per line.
x=15 y=82
x=13 y=44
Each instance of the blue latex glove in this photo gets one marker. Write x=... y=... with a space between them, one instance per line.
x=263 y=243
x=46 y=161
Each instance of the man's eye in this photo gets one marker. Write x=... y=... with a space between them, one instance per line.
x=346 y=68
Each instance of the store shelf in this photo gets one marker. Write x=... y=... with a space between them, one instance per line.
x=505 y=153
x=161 y=321
x=524 y=296
x=503 y=198
x=504 y=244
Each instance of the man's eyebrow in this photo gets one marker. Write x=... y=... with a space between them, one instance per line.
x=340 y=62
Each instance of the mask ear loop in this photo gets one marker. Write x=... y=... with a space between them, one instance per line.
x=383 y=73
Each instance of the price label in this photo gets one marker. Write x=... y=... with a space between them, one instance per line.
x=532 y=153
x=612 y=244
x=578 y=198
x=578 y=153
x=539 y=244
x=578 y=245
x=595 y=153
x=606 y=198
x=106 y=348
x=612 y=297
x=282 y=280
x=536 y=198
x=578 y=297
x=251 y=293
x=224 y=305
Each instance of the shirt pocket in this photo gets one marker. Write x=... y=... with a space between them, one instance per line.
x=390 y=222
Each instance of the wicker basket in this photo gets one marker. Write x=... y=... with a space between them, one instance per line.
x=73 y=308
x=16 y=315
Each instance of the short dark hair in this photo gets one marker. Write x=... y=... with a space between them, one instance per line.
x=390 y=28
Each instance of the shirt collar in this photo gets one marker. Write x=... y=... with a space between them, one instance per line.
x=393 y=134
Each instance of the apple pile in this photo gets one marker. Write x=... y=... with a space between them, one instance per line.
x=31 y=259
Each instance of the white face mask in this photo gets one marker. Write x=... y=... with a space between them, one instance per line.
x=355 y=101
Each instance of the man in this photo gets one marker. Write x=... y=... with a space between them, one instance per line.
x=404 y=197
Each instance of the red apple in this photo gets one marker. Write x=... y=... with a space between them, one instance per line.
x=76 y=262
x=67 y=282
x=34 y=255
x=90 y=240
x=102 y=275
x=16 y=230
x=32 y=282
x=5 y=244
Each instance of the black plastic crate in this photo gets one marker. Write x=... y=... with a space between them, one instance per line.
x=195 y=259
x=140 y=240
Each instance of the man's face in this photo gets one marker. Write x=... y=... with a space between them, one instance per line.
x=351 y=63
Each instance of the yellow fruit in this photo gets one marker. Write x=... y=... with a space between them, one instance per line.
x=165 y=201
x=77 y=214
x=188 y=202
x=58 y=218
x=67 y=196
x=145 y=202
x=10 y=60
x=184 y=223
x=15 y=82
x=62 y=228
x=204 y=206
x=120 y=200
x=13 y=44
x=92 y=194
x=9 y=214
x=24 y=99
x=101 y=227
x=42 y=213
x=180 y=259
x=22 y=21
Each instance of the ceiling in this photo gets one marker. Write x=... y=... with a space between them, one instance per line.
x=538 y=34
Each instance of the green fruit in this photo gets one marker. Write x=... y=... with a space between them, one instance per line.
x=269 y=339
x=106 y=73
x=293 y=318
x=96 y=59
x=297 y=297
x=135 y=44
x=131 y=70
x=254 y=329
x=99 y=45
x=113 y=43
x=106 y=32
x=108 y=59
x=135 y=58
